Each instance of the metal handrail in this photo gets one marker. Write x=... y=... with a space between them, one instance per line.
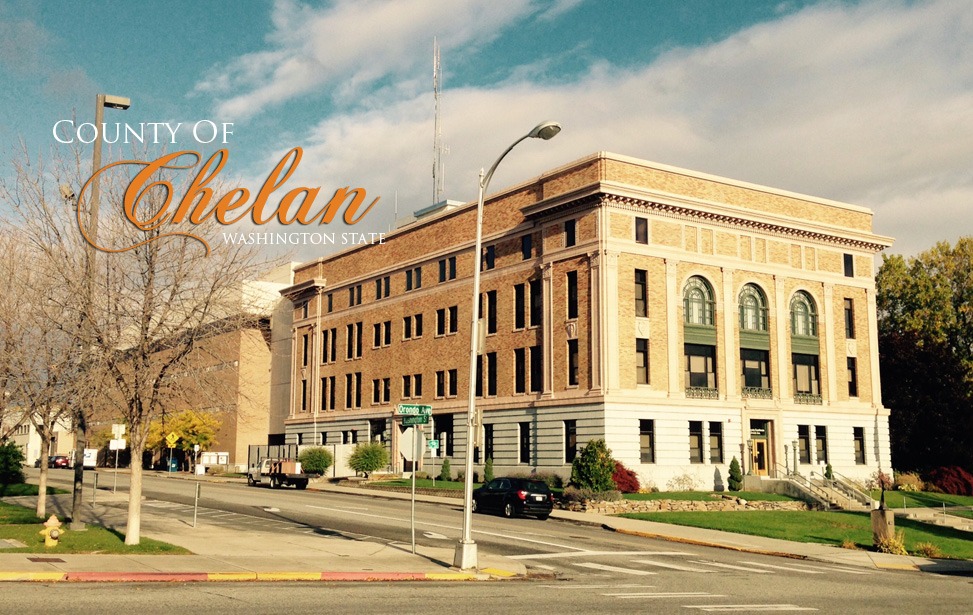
x=816 y=492
x=846 y=487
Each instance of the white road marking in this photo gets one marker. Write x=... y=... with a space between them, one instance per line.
x=668 y=595
x=748 y=607
x=672 y=566
x=791 y=568
x=732 y=567
x=615 y=569
x=592 y=554
x=435 y=536
x=543 y=567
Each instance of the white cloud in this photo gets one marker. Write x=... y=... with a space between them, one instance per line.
x=870 y=104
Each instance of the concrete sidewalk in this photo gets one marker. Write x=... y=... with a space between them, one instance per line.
x=225 y=554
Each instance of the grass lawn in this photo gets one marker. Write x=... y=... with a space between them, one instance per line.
x=22 y=524
x=25 y=489
x=833 y=528
x=421 y=483
x=708 y=496
x=915 y=499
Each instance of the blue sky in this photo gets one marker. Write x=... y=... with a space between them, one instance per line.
x=865 y=102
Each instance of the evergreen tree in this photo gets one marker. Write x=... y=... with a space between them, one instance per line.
x=445 y=473
x=593 y=468
x=488 y=470
x=736 y=475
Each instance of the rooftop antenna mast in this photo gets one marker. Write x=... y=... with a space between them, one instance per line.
x=438 y=148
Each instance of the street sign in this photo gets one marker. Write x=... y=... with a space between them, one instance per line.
x=413 y=409
x=415 y=419
x=118 y=430
x=116 y=444
x=433 y=444
x=172 y=438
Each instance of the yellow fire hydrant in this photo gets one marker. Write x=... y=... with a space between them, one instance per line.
x=52 y=531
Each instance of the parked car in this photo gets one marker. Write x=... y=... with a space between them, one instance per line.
x=514 y=496
x=59 y=461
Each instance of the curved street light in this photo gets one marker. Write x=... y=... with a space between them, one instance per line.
x=465 y=556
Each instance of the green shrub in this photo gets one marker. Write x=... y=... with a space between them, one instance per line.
x=736 y=475
x=488 y=470
x=445 y=473
x=368 y=457
x=593 y=468
x=828 y=472
x=893 y=544
x=573 y=494
x=11 y=464
x=316 y=460
x=927 y=549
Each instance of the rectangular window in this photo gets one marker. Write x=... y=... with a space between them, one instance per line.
x=647 y=440
x=524 y=452
x=406 y=387
x=330 y=347
x=441 y=321
x=350 y=341
x=642 y=230
x=570 y=440
x=376 y=391
x=700 y=366
x=447 y=269
x=821 y=443
x=382 y=287
x=536 y=303
x=572 y=280
x=520 y=306
x=306 y=345
x=417 y=385
x=354 y=296
x=413 y=278
x=641 y=361
x=695 y=442
x=641 y=293
x=440 y=384
x=387 y=333
x=806 y=374
x=852 y=377
x=572 y=363
x=327 y=393
x=849 y=266
x=453 y=319
x=527 y=246
x=330 y=302
x=849 y=319
x=303 y=395
x=491 y=309
x=453 y=382
x=756 y=368
x=444 y=430
x=859 y=434
x=716 y=442
x=489 y=258
x=487 y=441
x=804 y=443
x=520 y=370
x=570 y=233
x=304 y=309
x=536 y=369
x=491 y=375
x=377 y=335
x=407 y=328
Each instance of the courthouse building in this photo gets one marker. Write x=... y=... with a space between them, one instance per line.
x=685 y=318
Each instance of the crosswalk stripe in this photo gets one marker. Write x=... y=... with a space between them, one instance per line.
x=748 y=607
x=791 y=568
x=592 y=554
x=669 y=565
x=732 y=567
x=614 y=569
x=848 y=570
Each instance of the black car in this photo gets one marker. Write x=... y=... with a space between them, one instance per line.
x=514 y=496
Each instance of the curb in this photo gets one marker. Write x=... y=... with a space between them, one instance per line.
x=186 y=577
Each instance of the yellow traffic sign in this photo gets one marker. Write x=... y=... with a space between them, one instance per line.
x=172 y=438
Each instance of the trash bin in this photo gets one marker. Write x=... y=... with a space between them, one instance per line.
x=173 y=465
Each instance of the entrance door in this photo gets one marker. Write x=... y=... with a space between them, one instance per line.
x=759 y=459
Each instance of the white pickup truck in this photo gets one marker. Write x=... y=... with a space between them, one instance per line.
x=278 y=473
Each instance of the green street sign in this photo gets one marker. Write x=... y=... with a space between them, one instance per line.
x=434 y=444
x=415 y=419
x=413 y=409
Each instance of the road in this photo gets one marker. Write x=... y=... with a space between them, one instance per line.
x=578 y=568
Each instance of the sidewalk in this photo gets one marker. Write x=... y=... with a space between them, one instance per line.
x=231 y=555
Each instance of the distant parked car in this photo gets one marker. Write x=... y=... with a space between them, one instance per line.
x=59 y=461
x=514 y=496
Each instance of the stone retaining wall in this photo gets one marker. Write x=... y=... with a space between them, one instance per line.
x=637 y=506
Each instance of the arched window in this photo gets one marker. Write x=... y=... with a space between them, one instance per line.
x=697 y=298
x=753 y=309
x=804 y=318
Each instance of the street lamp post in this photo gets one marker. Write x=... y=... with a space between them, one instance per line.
x=465 y=556
x=80 y=427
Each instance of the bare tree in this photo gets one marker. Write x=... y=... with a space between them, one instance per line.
x=147 y=307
